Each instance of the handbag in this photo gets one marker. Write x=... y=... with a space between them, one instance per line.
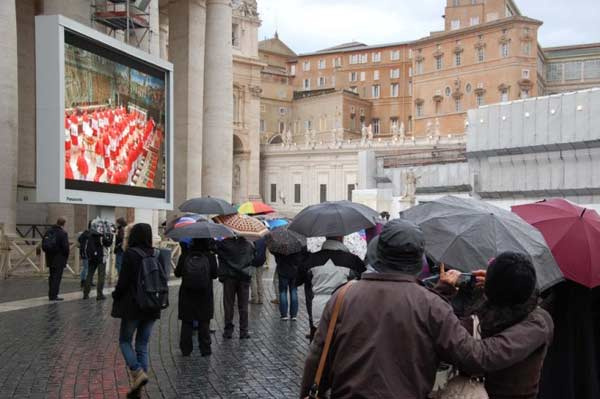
x=463 y=387
x=314 y=390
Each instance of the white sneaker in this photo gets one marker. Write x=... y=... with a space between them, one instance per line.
x=284 y=318
x=294 y=319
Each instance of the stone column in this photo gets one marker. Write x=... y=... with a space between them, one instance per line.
x=187 y=19
x=217 y=151
x=9 y=115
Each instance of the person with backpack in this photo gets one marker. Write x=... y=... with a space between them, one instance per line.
x=235 y=260
x=55 y=245
x=197 y=267
x=95 y=244
x=260 y=258
x=138 y=298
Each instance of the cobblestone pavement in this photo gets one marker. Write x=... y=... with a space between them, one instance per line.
x=70 y=350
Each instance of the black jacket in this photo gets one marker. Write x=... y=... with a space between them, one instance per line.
x=83 y=238
x=119 y=239
x=59 y=258
x=95 y=247
x=196 y=305
x=235 y=259
x=124 y=304
x=289 y=265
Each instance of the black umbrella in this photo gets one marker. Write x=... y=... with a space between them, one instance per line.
x=201 y=229
x=333 y=219
x=208 y=206
x=467 y=233
x=285 y=241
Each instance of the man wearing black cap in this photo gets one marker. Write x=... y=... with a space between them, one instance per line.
x=392 y=332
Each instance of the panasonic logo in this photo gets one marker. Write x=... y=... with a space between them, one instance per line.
x=74 y=199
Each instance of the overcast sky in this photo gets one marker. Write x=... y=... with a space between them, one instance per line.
x=310 y=25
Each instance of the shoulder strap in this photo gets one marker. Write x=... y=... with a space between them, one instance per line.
x=330 y=330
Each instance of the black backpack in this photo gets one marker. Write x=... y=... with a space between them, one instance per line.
x=196 y=273
x=152 y=293
x=50 y=242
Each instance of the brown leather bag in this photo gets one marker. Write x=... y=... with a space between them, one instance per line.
x=314 y=390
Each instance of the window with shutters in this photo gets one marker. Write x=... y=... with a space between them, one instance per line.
x=353 y=76
x=321 y=81
x=591 y=69
x=351 y=188
x=306 y=84
x=323 y=193
x=395 y=55
x=363 y=76
x=554 y=72
x=573 y=70
x=480 y=54
x=457 y=105
x=376 y=89
x=419 y=109
x=376 y=57
x=394 y=89
x=419 y=65
x=504 y=50
x=375 y=75
x=479 y=98
x=321 y=64
x=395 y=73
x=306 y=66
x=457 y=59
x=438 y=63
x=375 y=123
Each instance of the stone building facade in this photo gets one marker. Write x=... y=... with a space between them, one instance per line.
x=413 y=96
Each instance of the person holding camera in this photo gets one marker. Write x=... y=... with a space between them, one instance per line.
x=98 y=240
x=390 y=332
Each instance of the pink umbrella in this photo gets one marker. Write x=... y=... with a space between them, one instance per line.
x=573 y=235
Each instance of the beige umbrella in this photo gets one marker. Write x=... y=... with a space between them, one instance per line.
x=243 y=225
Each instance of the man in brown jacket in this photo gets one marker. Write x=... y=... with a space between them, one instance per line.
x=392 y=332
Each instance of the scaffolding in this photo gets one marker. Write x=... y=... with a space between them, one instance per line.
x=129 y=16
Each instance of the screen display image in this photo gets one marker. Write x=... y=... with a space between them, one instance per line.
x=114 y=121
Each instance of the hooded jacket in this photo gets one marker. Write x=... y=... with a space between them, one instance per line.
x=324 y=272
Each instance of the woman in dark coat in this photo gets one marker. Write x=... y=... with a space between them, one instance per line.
x=196 y=300
x=510 y=297
x=287 y=271
x=125 y=307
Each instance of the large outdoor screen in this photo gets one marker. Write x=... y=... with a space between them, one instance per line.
x=114 y=121
x=104 y=124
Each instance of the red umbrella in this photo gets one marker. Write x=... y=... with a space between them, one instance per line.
x=573 y=235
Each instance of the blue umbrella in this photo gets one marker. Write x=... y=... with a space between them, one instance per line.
x=275 y=223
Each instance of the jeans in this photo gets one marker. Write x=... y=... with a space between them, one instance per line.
x=118 y=261
x=84 y=270
x=137 y=358
x=285 y=285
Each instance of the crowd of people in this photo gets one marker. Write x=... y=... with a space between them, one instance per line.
x=110 y=145
x=393 y=333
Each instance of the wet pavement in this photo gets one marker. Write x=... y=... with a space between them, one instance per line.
x=70 y=350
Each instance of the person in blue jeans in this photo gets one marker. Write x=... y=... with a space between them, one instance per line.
x=83 y=239
x=134 y=321
x=287 y=270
